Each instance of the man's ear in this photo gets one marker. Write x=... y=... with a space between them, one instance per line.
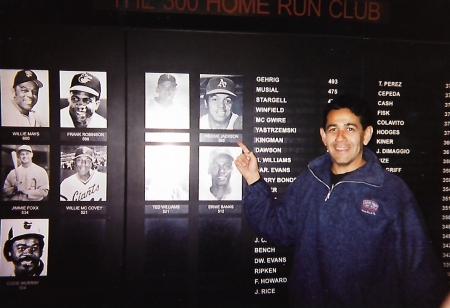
x=323 y=135
x=97 y=104
x=368 y=135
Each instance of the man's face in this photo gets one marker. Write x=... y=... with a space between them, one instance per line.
x=219 y=106
x=345 y=138
x=83 y=166
x=25 y=255
x=166 y=90
x=25 y=156
x=220 y=170
x=82 y=106
x=26 y=96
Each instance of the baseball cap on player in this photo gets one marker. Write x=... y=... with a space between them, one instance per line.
x=86 y=82
x=167 y=77
x=219 y=152
x=26 y=75
x=220 y=85
x=25 y=229
x=24 y=148
x=84 y=151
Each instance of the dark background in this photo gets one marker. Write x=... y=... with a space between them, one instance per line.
x=204 y=260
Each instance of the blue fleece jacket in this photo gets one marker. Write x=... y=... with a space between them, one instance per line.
x=359 y=243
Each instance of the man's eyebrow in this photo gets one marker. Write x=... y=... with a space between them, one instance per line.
x=351 y=124
x=346 y=124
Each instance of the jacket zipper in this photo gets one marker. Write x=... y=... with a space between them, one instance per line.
x=329 y=193
x=330 y=189
x=334 y=185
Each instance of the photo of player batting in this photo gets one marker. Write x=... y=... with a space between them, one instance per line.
x=25 y=172
x=24 y=247
x=83 y=173
x=218 y=177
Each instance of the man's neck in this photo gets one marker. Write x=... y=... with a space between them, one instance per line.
x=338 y=169
x=85 y=177
x=26 y=165
x=217 y=125
x=220 y=191
x=164 y=103
x=80 y=124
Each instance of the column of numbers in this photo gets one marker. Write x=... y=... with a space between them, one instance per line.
x=332 y=90
x=446 y=181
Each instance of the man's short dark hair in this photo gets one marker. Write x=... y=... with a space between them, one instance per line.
x=355 y=104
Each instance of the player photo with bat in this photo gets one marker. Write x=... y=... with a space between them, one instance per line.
x=83 y=171
x=26 y=181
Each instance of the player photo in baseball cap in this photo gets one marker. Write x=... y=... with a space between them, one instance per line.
x=218 y=179
x=25 y=179
x=20 y=92
x=219 y=104
x=167 y=103
x=82 y=173
x=24 y=247
x=84 y=101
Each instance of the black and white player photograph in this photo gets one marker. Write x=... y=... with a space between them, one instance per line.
x=218 y=176
x=24 y=98
x=221 y=102
x=83 y=173
x=167 y=101
x=166 y=172
x=83 y=99
x=25 y=247
x=25 y=172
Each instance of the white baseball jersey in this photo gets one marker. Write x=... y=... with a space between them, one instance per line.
x=33 y=184
x=75 y=189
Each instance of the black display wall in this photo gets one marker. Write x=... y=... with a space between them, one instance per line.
x=85 y=240
x=145 y=248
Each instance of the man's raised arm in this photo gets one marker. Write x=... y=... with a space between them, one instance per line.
x=247 y=164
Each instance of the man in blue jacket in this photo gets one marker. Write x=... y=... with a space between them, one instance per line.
x=359 y=236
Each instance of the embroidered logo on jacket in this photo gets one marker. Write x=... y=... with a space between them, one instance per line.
x=369 y=207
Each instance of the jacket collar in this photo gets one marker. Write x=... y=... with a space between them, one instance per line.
x=370 y=173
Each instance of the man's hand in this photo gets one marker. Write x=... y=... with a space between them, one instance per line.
x=18 y=187
x=247 y=164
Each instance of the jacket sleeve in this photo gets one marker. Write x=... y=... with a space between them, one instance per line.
x=423 y=279
x=272 y=218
